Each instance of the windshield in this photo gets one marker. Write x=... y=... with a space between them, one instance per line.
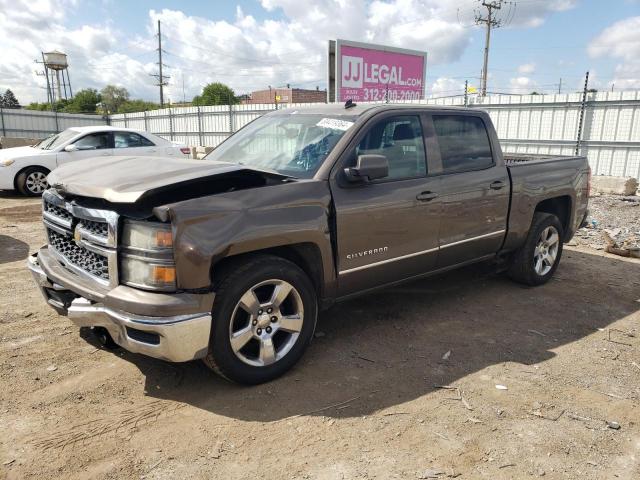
x=57 y=140
x=292 y=144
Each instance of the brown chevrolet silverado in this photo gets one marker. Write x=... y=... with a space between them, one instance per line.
x=229 y=259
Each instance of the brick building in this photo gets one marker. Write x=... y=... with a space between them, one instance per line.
x=286 y=95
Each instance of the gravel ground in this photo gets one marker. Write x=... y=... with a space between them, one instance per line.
x=613 y=216
x=467 y=375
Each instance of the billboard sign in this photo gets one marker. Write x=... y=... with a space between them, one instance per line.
x=365 y=72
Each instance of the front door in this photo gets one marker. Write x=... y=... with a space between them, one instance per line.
x=474 y=190
x=387 y=230
x=93 y=145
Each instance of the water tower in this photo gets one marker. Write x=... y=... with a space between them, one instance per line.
x=56 y=68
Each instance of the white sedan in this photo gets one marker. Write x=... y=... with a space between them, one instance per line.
x=26 y=168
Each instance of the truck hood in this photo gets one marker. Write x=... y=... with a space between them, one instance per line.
x=128 y=179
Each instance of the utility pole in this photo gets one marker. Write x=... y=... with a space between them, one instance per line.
x=560 y=86
x=491 y=22
x=161 y=78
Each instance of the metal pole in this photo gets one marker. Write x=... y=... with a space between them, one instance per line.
x=582 y=109
x=55 y=113
x=230 y=118
x=126 y=123
x=69 y=83
x=486 y=55
x=560 y=86
x=4 y=130
x=161 y=81
x=46 y=74
x=199 y=127
x=466 y=90
x=146 y=126
x=171 y=124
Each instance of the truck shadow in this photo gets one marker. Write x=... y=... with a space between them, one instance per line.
x=12 y=250
x=386 y=349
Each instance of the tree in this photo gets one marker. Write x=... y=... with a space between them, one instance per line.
x=216 y=94
x=84 y=101
x=131 y=106
x=113 y=97
x=9 y=100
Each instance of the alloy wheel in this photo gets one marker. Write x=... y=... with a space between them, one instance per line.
x=266 y=322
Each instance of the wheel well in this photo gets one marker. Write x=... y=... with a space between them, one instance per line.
x=560 y=207
x=15 y=179
x=305 y=255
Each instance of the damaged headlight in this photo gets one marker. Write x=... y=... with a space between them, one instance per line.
x=147 y=256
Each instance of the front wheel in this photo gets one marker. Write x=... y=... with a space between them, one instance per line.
x=32 y=182
x=264 y=316
x=537 y=260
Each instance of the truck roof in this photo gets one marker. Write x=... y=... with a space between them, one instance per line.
x=360 y=108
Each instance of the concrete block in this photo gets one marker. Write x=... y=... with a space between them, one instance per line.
x=11 y=142
x=203 y=150
x=614 y=185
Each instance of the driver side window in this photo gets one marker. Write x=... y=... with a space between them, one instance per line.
x=94 y=141
x=399 y=139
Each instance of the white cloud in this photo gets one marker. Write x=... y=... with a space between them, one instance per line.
x=522 y=85
x=622 y=42
x=444 y=86
x=243 y=52
x=527 y=68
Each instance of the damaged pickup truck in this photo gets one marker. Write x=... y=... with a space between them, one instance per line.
x=229 y=259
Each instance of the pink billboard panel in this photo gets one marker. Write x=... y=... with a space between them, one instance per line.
x=369 y=75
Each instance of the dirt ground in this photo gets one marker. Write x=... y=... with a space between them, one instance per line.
x=367 y=401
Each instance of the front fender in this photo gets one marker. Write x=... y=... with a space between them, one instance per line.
x=207 y=229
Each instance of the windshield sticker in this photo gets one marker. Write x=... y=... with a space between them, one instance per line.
x=334 y=124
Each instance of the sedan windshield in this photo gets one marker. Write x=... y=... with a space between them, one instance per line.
x=53 y=142
x=292 y=144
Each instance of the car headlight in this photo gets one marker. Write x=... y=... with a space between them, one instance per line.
x=147 y=256
x=7 y=161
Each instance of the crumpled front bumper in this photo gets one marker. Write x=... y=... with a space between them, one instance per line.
x=178 y=337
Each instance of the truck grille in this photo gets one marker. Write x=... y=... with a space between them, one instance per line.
x=56 y=211
x=83 y=239
x=90 y=262
x=99 y=229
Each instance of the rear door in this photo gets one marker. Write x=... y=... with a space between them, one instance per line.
x=131 y=143
x=92 y=145
x=474 y=191
x=386 y=230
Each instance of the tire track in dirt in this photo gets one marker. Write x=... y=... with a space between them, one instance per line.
x=125 y=422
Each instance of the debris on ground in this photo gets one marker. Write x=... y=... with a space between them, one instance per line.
x=613 y=225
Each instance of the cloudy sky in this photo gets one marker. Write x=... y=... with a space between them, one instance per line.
x=252 y=44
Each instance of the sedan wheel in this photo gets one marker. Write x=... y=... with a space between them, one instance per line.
x=32 y=181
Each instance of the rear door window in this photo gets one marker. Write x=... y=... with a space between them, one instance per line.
x=464 y=143
x=130 y=140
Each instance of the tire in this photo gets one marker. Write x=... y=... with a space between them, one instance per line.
x=536 y=261
x=269 y=336
x=32 y=181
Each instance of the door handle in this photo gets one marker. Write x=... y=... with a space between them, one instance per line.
x=497 y=185
x=426 y=196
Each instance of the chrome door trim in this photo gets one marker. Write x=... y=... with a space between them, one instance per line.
x=395 y=259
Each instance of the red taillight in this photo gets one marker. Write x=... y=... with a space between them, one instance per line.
x=185 y=150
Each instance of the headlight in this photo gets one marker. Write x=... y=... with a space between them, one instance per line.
x=147 y=257
x=6 y=162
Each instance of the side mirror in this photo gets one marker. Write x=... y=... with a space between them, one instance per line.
x=368 y=168
x=71 y=148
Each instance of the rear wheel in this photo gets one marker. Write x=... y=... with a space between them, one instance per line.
x=537 y=260
x=32 y=181
x=264 y=316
